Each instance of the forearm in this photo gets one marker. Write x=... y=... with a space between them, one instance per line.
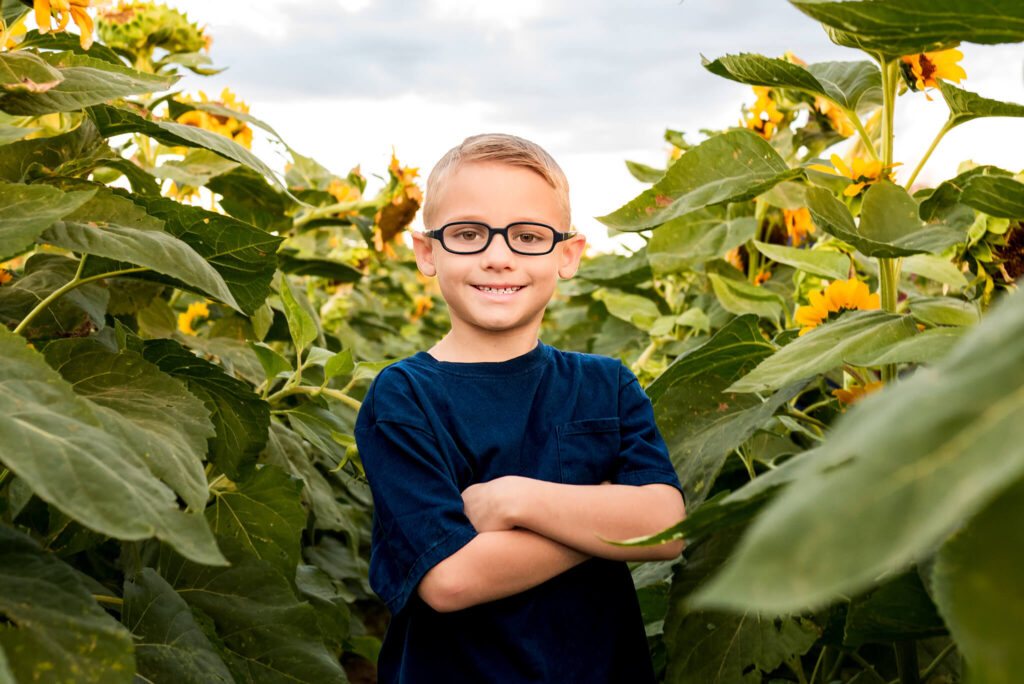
x=582 y=516
x=495 y=565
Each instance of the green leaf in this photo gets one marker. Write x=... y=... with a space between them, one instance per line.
x=899 y=610
x=273 y=363
x=643 y=172
x=947 y=195
x=616 y=270
x=694 y=238
x=901 y=471
x=731 y=167
x=640 y=311
x=976 y=582
x=86 y=81
x=706 y=646
x=740 y=297
x=317 y=425
x=144 y=407
x=64 y=41
x=321 y=268
x=935 y=268
x=69 y=314
x=893 y=29
x=51 y=623
x=169 y=645
x=927 y=346
x=22 y=71
x=62 y=155
x=269 y=635
x=853 y=335
x=965 y=105
x=263 y=516
x=700 y=423
x=301 y=325
x=55 y=442
x=889 y=224
x=819 y=262
x=944 y=310
x=116 y=120
x=28 y=210
x=239 y=416
x=242 y=254
x=854 y=86
x=116 y=228
x=339 y=364
x=196 y=169
x=995 y=195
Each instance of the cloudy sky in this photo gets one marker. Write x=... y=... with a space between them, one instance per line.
x=593 y=81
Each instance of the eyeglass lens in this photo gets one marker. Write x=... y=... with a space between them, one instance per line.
x=522 y=237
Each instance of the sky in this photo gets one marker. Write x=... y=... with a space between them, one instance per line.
x=594 y=82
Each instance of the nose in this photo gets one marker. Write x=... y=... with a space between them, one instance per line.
x=498 y=254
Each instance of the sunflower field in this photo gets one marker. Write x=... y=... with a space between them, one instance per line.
x=834 y=360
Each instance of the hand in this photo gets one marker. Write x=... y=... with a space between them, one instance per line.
x=490 y=505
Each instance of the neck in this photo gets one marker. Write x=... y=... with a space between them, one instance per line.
x=465 y=344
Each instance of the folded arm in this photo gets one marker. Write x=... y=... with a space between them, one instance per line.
x=494 y=565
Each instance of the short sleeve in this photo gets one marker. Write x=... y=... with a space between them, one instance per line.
x=643 y=455
x=419 y=518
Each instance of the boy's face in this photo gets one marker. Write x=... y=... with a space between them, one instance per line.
x=497 y=194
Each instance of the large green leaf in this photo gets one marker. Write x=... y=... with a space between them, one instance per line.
x=169 y=645
x=854 y=86
x=240 y=417
x=301 y=325
x=700 y=423
x=242 y=254
x=145 y=407
x=965 y=105
x=319 y=426
x=935 y=268
x=900 y=471
x=854 y=334
x=22 y=71
x=944 y=310
x=740 y=297
x=28 y=210
x=691 y=239
x=269 y=636
x=55 y=442
x=196 y=169
x=976 y=580
x=116 y=228
x=889 y=222
x=995 y=195
x=86 y=81
x=819 y=262
x=50 y=623
x=633 y=308
x=899 y=610
x=706 y=647
x=894 y=28
x=947 y=195
x=72 y=313
x=263 y=515
x=116 y=120
x=733 y=166
x=30 y=160
x=925 y=347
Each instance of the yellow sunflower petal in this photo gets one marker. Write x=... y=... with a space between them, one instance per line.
x=838 y=162
x=854 y=189
x=42 y=9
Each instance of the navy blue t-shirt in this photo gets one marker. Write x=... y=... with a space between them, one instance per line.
x=429 y=429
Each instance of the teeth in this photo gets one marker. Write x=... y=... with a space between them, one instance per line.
x=505 y=290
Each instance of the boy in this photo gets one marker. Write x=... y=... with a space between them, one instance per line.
x=498 y=464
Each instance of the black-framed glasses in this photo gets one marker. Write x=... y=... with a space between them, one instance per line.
x=523 y=237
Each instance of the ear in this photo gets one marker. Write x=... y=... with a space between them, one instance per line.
x=424 y=251
x=569 y=258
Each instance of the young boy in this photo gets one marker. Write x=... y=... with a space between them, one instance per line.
x=498 y=464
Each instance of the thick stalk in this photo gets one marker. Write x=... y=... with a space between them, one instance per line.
x=753 y=256
x=946 y=127
x=67 y=287
x=906 y=662
x=888 y=269
x=314 y=391
x=869 y=145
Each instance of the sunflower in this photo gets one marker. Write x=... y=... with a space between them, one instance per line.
x=405 y=200
x=839 y=296
x=421 y=305
x=856 y=392
x=798 y=224
x=764 y=116
x=840 y=123
x=187 y=318
x=922 y=69
x=74 y=10
x=5 y=276
x=230 y=127
x=863 y=173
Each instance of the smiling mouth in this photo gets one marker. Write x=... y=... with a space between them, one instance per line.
x=499 y=290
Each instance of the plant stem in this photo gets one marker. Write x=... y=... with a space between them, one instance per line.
x=800 y=415
x=938 y=661
x=834 y=670
x=906 y=662
x=817 y=664
x=3 y=475
x=869 y=145
x=797 y=666
x=646 y=355
x=946 y=127
x=889 y=275
x=109 y=600
x=67 y=287
x=747 y=463
x=754 y=256
x=314 y=391
x=867 y=666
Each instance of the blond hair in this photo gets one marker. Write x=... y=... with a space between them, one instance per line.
x=503 y=149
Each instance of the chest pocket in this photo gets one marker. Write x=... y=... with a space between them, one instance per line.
x=588 y=450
